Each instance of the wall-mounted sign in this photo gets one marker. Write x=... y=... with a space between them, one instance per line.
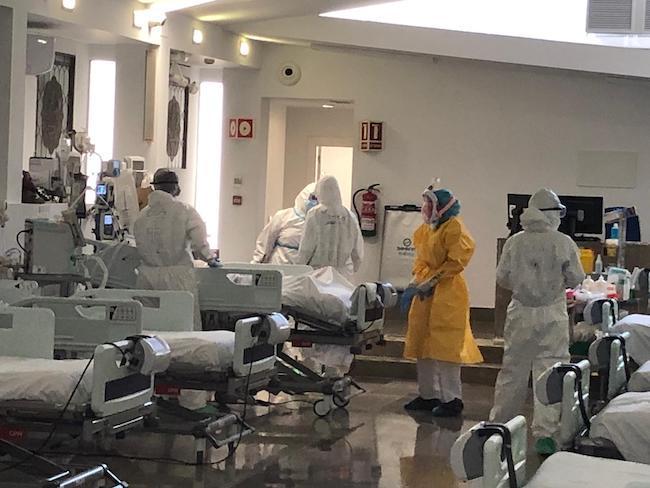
x=240 y=128
x=372 y=136
x=237 y=200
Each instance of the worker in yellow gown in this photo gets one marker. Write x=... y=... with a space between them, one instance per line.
x=439 y=336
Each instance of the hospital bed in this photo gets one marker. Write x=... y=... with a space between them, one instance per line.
x=618 y=431
x=494 y=456
x=324 y=312
x=36 y=392
x=219 y=360
x=232 y=364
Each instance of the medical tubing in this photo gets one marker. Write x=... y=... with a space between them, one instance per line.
x=102 y=267
x=38 y=451
x=24 y=231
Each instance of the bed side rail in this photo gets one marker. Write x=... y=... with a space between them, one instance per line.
x=168 y=311
x=82 y=323
x=239 y=290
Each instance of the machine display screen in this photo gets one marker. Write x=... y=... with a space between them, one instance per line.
x=108 y=220
x=101 y=190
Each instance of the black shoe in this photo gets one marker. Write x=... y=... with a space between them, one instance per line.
x=450 y=409
x=421 y=404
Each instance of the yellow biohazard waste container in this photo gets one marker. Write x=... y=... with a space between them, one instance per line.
x=587 y=257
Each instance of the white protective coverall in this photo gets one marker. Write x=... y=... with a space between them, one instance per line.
x=537 y=265
x=165 y=231
x=279 y=241
x=332 y=236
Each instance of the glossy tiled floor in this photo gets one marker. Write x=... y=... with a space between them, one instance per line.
x=374 y=444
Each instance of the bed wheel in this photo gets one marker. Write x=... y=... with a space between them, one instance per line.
x=322 y=408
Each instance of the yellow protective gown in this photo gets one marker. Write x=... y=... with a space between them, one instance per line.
x=438 y=326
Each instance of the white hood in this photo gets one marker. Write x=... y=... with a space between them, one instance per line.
x=535 y=220
x=328 y=192
x=300 y=204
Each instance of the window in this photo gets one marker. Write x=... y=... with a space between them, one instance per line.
x=208 y=168
x=101 y=118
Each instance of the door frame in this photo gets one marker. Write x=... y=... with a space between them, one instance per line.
x=314 y=142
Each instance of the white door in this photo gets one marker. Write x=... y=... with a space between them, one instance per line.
x=336 y=161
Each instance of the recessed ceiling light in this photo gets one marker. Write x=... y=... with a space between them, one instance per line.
x=327 y=105
x=244 y=47
x=197 y=36
x=69 y=4
x=41 y=41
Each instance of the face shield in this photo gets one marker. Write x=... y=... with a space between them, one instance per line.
x=429 y=214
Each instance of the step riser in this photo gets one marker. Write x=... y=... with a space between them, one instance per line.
x=395 y=349
x=407 y=371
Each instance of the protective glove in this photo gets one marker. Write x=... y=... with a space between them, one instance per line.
x=426 y=289
x=407 y=298
x=214 y=263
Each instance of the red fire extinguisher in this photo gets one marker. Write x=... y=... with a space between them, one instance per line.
x=368 y=216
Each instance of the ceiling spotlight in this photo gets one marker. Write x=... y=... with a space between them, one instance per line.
x=327 y=105
x=244 y=47
x=69 y=4
x=41 y=41
x=197 y=36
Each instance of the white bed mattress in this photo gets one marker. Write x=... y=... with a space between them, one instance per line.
x=568 y=470
x=640 y=380
x=45 y=380
x=638 y=346
x=200 y=350
x=626 y=422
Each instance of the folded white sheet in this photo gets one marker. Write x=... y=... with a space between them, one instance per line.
x=46 y=380
x=640 y=380
x=638 y=346
x=626 y=422
x=203 y=350
x=569 y=470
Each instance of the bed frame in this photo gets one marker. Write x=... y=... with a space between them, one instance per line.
x=12 y=291
x=608 y=355
x=120 y=399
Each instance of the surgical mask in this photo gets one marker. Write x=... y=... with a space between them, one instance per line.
x=428 y=214
x=311 y=203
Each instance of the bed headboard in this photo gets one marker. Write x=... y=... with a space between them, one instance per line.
x=239 y=290
x=609 y=356
x=116 y=387
x=168 y=311
x=82 y=323
x=477 y=455
x=26 y=332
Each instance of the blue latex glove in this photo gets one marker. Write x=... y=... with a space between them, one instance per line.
x=407 y=298
x=214 y=263
x=425 y=290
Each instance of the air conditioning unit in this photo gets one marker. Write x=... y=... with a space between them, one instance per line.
x=630 y=17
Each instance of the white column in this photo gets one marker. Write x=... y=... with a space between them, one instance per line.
x=13 y=40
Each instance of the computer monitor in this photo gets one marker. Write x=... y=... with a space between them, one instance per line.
x=584 y=214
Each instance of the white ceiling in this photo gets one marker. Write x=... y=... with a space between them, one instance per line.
x=231 y=11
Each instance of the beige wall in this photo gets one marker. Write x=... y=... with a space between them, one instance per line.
x=486 y=129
